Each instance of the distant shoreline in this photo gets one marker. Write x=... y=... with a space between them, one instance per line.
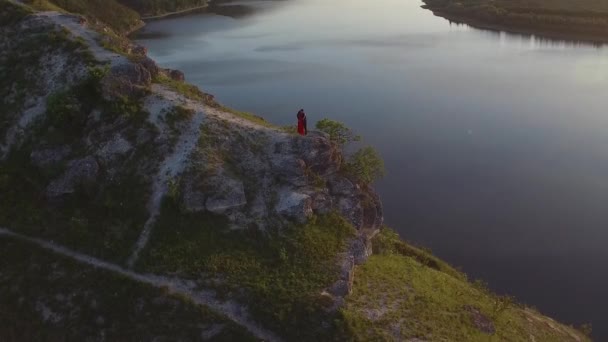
x=170 y=14
x=584 y=34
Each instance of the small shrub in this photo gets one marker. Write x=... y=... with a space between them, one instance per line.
x=178 y=114
x=501 y=303
x=366 y=165
x=586 y=329
x=65 y=111
x=338 y=132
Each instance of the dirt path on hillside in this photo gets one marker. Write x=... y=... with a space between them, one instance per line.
x=173 y=165
x=229 y=309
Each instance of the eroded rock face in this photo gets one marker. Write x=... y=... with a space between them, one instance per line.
x=130 y=80
x=50 y=156
x=114 y=148
x=344 y=285
x=480 y=321
x=176 y=75
x=319 y=154
x=361 y=248
x=79 y=172
x=277 y=178
x=294 y=205
x=289 y=168
x=226 y=194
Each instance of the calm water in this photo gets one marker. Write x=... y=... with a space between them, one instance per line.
x=496 y=146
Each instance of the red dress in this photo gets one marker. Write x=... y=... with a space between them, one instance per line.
x=301 y=123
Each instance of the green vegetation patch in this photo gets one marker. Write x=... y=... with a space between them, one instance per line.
x=365 y=165
x=188 y=90
x=119 y=17
x=399 y=295
x=102 y=218
x=389 y=242
x=278 y=274
x=177 y=115
x=47 y=297
x=256 y=119
x=21 y=64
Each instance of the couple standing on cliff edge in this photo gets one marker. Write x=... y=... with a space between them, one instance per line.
x=302 y=127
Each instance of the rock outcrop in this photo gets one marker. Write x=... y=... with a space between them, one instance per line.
x=80 y=172
x=183 y=146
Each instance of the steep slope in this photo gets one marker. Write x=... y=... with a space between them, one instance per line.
x=111 y=12
x=187 y=210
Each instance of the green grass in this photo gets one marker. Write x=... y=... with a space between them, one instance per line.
x=249 y=117
x=278 y=274
x=177 y=115
x=85 y=303
x=188 y=90
x=389 y=242
x=400 y=295
x=20 y=65
x=100 y=219
x=119 y=17
x=193 y=92
x=104 y=218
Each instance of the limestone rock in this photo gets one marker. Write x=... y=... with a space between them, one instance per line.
x=294 y=205
x=79 y=172
x=340 y=288
x=350 y=207
x=319 y=153
x=321 y=203
x=130 y=80
x=114 y=148
x=344 y=285
x=176 y=75
x=289 y=169
x=341 y=186
x=50 y=156
x=149 y=64
x=193 y=201
x=228 y=193
x=361 y=249
x=137 y=49
x=480 y=321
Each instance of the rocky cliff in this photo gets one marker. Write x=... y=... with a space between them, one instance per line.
x=95 y=143
x=136 y=207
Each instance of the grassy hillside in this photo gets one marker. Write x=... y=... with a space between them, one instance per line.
x=119 y=17
x=46 y=297
x=581 y=19
x=404 y=293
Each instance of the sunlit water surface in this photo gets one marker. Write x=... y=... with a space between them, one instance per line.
x=496 y=146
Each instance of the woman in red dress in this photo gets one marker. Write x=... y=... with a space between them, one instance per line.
x=302 y=129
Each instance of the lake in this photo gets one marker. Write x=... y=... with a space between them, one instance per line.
x=496 y=145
